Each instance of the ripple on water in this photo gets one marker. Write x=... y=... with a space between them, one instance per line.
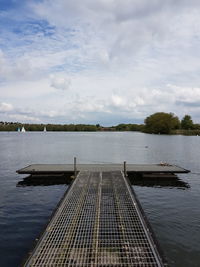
x=173 y=213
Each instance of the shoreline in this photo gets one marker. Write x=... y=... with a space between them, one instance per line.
x=177 y=132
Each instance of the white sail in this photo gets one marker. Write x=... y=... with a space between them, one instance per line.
x=23 y=129
x=45 y=129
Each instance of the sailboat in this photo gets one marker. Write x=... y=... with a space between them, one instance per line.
x=45 y=129
x=18 y=129
x=23 y=129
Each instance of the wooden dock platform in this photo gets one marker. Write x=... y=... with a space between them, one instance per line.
x=132 y=168
x=98 y=223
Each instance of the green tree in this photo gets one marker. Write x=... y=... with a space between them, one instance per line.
x=161 y=122
x=122 y=127
x=196 y=126
x=187 y=123
x=98 y=126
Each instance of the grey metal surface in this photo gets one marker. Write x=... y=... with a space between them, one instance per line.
x=98 y=223
x=66 y=168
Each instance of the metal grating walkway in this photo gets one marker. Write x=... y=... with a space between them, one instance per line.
x=98 y=223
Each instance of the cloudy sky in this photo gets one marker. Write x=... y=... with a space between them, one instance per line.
x=102 y=61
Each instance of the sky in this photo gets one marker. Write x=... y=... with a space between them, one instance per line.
x=102 y=61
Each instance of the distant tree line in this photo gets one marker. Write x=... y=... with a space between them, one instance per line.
x=11 y=126
x=14 y=126
x=157 y=123
x=129 y=127
x=168 y=123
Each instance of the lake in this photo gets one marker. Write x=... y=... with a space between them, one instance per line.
x=173 y=211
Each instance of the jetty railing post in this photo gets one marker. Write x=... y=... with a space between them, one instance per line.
x=125 y=173
x=75 y=170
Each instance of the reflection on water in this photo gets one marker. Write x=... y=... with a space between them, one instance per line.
x=46 y=180
x=171 y=181
x=173 y=214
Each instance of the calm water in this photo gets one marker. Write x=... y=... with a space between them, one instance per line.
x=174 y=213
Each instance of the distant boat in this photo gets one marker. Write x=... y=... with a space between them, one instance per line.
x=23 y=129
x=18 y=129
x=45 y=129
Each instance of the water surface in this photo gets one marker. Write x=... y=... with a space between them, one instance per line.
x=174 y=213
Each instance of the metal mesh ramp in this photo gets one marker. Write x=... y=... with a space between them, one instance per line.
x=97 y=224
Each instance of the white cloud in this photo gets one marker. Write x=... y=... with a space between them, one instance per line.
x=60 y=82
x=5 y=107
x=125 y=59
x=23 y=118
x=118 y=101
x=11 y=69
x=187 y=94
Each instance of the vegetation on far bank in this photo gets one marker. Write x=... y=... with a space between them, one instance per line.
x=168 y=123
x=186 y=132
x=12 y=126
x=157 y=123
